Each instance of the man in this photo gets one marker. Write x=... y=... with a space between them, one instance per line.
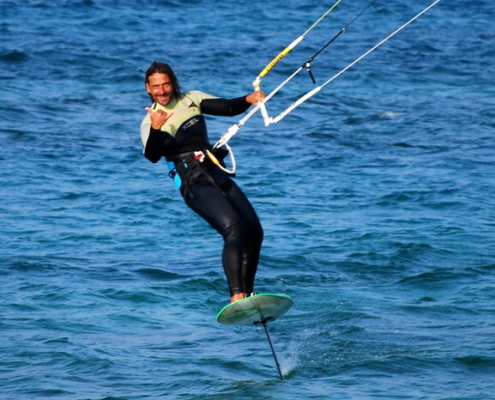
x=175 y=128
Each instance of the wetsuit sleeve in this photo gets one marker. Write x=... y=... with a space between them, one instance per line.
x=224 y=107
x=154 y=147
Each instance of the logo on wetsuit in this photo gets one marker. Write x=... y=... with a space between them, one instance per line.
x=191 y=122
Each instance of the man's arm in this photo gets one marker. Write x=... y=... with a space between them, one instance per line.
x=231 y=107
x=151 y=135
x=224 y=107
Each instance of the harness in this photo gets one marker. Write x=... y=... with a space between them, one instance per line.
x=189 y=168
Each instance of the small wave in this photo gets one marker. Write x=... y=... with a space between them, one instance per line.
x=14 y=57
x=389 y=114
x=157 y=274
x=477 y=361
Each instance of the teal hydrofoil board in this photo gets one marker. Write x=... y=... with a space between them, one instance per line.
x=254 y=310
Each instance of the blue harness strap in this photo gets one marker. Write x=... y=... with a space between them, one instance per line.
x=172 y=172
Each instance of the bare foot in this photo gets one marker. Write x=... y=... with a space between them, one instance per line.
x=237 y=297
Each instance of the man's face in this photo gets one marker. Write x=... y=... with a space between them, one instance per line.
x=160 y=88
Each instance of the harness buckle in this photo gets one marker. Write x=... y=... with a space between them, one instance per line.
x=199 y=156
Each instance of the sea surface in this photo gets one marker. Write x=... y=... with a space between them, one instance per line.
x=377 y=197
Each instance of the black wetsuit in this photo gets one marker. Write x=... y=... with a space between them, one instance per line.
x=207 y=189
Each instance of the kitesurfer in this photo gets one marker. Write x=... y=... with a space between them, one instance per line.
x=175 y=128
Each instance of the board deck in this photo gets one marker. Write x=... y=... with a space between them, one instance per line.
x=254 y=310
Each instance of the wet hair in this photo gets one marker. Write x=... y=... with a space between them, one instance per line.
x=162 y=68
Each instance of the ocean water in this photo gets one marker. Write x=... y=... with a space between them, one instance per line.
x=377 y=197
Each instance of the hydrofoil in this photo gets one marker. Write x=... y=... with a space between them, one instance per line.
x=255 y=310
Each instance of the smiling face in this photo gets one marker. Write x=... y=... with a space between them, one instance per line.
x=160 y=88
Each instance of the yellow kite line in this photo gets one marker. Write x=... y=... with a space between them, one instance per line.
x=287 y=50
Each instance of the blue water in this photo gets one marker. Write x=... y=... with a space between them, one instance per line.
x=377 y=197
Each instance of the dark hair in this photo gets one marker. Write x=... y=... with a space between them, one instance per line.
x=162 y=68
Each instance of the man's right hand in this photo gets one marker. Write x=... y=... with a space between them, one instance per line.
x=158 y=117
